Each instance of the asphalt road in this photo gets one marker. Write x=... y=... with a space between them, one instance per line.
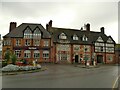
x=65 y=76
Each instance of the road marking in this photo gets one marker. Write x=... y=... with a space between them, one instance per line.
x=113 y=87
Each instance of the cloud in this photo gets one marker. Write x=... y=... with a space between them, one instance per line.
x=64 y=14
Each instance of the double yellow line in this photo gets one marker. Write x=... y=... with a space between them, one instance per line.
x=113 y=87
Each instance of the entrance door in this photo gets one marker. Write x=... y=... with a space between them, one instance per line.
x=76 y=58
x=99 y=58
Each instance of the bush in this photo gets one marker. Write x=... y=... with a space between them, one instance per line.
x=12 y=67
x=13 y=59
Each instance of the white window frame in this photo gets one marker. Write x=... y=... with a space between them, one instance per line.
x=37 y=34
x=46 y=54
x=17 y=53
x=18 y=42
x=27 y=54
x=46 y=42
x=27 y=42
x=84 y=38
x=62 y=36
x=36 y=54
x=27 y=34
x=36 y=42
x=75 y=37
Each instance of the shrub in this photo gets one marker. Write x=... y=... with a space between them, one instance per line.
x=13 y=59
x=12 y=67
x=7 y=56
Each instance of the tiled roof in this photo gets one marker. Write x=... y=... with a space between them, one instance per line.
x=92 y=36
x=18 y=31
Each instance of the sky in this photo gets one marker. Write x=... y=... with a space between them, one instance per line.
x=64 y=14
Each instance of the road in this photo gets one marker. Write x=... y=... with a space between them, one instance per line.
x=65 y=76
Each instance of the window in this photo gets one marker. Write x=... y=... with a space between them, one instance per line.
x=18 y=53
x=76 y=47
x=7 y=42
x=46 y=54
x=86 y=48
x=62 y=36
x=100 y=39
x=18 y=42
x=36 y=54
x=109 y=50
x=75 y=37
x=84 y=38
x=36 y=42
x=27 y=42
x=109 y=40
x=101 y=49
x=110 y=58
x=37 y=34
x=27 y=54
x=27 y=33
x=46 y=43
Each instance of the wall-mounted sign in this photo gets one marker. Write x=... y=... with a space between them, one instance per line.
x=32 y=48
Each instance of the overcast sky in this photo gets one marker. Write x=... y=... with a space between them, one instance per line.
x=65 y=14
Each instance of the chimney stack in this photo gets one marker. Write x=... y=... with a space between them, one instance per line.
x=102 y=30
x=47 y=26
x=12 y=26
x=88 y=27
x=50 y=23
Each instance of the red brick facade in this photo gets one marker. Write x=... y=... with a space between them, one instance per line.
x=57 y=50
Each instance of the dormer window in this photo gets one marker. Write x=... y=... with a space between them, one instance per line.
x=84 y=38
x=75 y=37
x=62 y=36
x=37 y=34
x=27 y=33
x=110 y=40
x=100 y=39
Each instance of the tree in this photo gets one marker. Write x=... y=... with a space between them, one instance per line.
x=13 y=59
x=7 y=56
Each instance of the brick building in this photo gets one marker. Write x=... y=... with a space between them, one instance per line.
x=28 y=41
x=32 y=41
x=81 y=45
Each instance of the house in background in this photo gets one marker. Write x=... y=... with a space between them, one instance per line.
x=0 y=48
x=28 y=41
x=81 y=45
x=117 y=53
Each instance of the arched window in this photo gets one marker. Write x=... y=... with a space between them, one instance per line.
x=62 y=36
x=27 y=33
x=84 y=38
x=27 y=54
x=37 y=34
x=36 y=54
x=75 y=37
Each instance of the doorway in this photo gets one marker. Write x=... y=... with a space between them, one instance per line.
x=76 y=58
x=99 y=59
